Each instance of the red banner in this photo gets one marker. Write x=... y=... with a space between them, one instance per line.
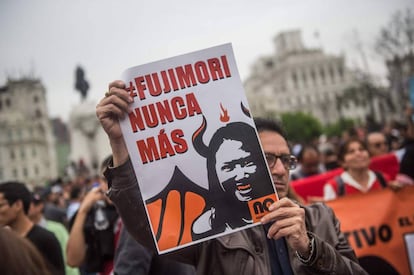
x=379 y=225
x=313 y=186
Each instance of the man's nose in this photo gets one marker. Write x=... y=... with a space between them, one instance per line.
x=279 y=168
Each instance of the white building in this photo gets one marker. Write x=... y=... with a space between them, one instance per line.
x=27 y=147
x=297 y=78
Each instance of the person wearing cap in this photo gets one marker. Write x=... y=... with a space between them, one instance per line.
x=60 y=232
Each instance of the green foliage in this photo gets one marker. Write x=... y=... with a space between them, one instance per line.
x=301 y=127
x=337 y=128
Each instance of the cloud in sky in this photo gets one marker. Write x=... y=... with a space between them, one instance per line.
x=49 y=38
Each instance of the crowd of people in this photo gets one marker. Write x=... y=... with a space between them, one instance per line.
x=353 y=153
x=79 y=227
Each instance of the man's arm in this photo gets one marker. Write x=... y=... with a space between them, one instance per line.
x=76 y=245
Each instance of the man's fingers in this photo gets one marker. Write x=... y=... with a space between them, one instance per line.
x=116 y=84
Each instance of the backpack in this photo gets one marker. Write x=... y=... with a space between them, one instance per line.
x=341 y=185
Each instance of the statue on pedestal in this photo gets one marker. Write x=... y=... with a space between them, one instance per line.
x=89 y=144
x=81 y=84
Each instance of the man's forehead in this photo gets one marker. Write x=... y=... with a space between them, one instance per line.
x=273 y=142
x=376 y=137
x=2 y=198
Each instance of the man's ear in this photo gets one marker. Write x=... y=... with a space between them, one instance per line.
x=18 y=205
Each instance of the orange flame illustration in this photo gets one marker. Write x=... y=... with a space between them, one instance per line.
x=224 y=117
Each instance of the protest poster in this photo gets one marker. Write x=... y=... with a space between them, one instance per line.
x=194 y=148
x=379 y=225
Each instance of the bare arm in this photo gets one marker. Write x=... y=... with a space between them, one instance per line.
x=76 y=245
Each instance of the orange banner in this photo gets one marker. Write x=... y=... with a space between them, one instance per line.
x=379 y=225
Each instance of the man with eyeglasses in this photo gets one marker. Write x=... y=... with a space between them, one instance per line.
x=377 y=144
x=293 y=239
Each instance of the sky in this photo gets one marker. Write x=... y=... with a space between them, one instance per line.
x=48 y=39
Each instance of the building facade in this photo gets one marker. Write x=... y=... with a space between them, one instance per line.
x=27 y=145
x=297 y=78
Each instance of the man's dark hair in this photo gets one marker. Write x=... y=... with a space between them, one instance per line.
x=267 y=124
x=76 y=191
x=14 y=191
x=305 y=148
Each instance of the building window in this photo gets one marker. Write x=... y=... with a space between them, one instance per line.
x=341 y=72
x=34 y=152
x=332 y=72
x=25 y=174
x=36 y=170
x=269 y=64
x=12 y=155
x=1 y=105
x=8 y=103
x=295 y=79
x=304 y=78
x=19 y=134
x=38 y=113
x=313 y=75
x=1 y=174
x=22 y=153
x=14 y=173
x=322 y=72
x=35 y=99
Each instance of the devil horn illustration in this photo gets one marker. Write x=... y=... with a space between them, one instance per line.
x=197 y=138
x=245 y=110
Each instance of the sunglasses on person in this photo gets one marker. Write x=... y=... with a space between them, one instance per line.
x=288 y=161
x=379 y=144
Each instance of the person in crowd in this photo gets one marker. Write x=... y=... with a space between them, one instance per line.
x=77 y=193
x=19 y=256
x=93 y=229
x=329 y=158
x=357 y=177
x=60 y=231
x=309 y=159
x=293 y=239
x=54 y=209
x=406 y=153
x=15 y=201
x=377 y=144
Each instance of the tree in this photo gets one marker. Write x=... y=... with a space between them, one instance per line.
x=301 y=127
x=363 y=94
x=396 y=40
x=396 y=44
x=337 y=128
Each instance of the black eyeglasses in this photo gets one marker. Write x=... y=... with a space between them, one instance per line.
x=289 y=161
x=379 y=144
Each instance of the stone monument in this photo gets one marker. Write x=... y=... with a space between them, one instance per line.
x=89 y=143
